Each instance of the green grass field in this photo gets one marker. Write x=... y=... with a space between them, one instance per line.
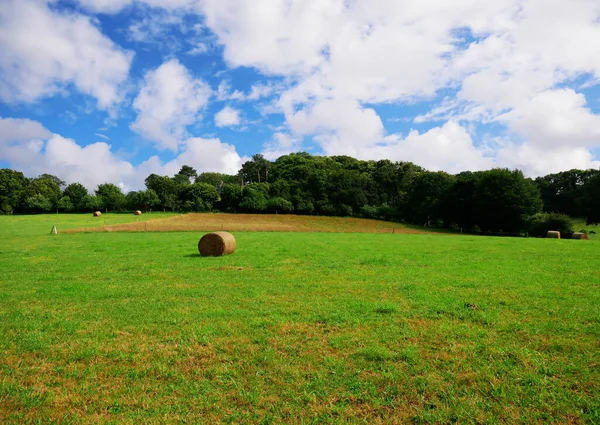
x=295 y=328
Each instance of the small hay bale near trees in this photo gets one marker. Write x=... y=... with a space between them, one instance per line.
x=579 y=235
x=97 y=213
x=138 y=212
x=553 y=234
x=216 y=244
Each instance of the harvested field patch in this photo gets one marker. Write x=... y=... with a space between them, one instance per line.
x=259 y=223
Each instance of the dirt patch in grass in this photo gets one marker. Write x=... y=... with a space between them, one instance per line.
x=258 y=223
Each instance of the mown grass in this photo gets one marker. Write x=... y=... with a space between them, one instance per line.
x=297 y=328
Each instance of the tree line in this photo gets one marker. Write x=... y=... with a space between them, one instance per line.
x=497 y=200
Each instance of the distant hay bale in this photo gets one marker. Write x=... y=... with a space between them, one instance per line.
x=580 y=235
x=97 y=213
x=138 y=212
x=553 y=234
x=216 y=244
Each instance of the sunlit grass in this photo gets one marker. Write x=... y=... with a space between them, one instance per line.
x=296 y=328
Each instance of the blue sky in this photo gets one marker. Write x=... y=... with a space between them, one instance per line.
x=113 y=90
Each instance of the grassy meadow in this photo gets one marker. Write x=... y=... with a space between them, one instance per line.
x=294 y=327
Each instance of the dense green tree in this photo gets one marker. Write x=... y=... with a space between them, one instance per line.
x=231 y=196
x=45 y=185
x=38 y=203
x=143 y=200
x=198 y=197
x=76 y=193
x=12 y=187
x=218 y=179
x=112 y=197
x=166 y=189
x=92 y=203
x=505 y=199
x=458 y=206
x=253 y=199
x=591 y=200
x=426 y=197
x=279 y=206
x=565 y=192
x=65 y=204
x=256 y=170
x=186 y=175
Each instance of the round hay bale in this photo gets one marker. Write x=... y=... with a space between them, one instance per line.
x=553 y=234
x=580 y=235
x=97 y=213
x=138 y=212
x=216 y=244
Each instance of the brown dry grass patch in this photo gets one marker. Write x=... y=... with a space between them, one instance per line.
x=258 y=223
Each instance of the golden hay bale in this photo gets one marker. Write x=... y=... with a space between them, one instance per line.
x=216 y=244
x=138 y=212
x=553 y=234
x=97 y=213
x=580 y=235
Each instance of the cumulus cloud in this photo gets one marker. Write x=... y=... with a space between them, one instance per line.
x=281 y=144
x=519 y=65
x=44 y=51
x=505 y=59
x=89 y=165
x=205 y=155
x=31 y=148
x=170 y=100
x=18 y=130
x=227 y=117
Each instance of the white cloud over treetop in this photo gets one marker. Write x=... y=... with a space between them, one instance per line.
x=45 y=51
x=327 y=65
x=169 y=101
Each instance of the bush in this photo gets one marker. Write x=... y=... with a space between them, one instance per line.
x=387 y=212
x=279 y=205
x=304 y=207
x=344 y=210
x=369 y=211
x=540 y=224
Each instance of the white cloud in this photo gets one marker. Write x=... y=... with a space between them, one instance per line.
x=44 y=52
x=555 y=119
x=205 y=155
x=199 y=49
x=30 y=148
x=537 y=161
x=449 y=148
x=352 y=125
x=18 y=130
x=227 y=117
x=170 y=100
x=281 y=144
x=504 y=58
x=89 y=165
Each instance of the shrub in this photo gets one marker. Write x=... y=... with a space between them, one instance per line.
x=279 y=205
x=540 y=224
x=368 y=211
x=304 y=207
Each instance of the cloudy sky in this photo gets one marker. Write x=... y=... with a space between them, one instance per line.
x=112 y=90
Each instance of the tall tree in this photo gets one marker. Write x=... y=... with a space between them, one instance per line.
x=186 y=175
x=76 y=193
x=112 y=197
x=46 y=186
x=505 y=199
x=12 y=186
